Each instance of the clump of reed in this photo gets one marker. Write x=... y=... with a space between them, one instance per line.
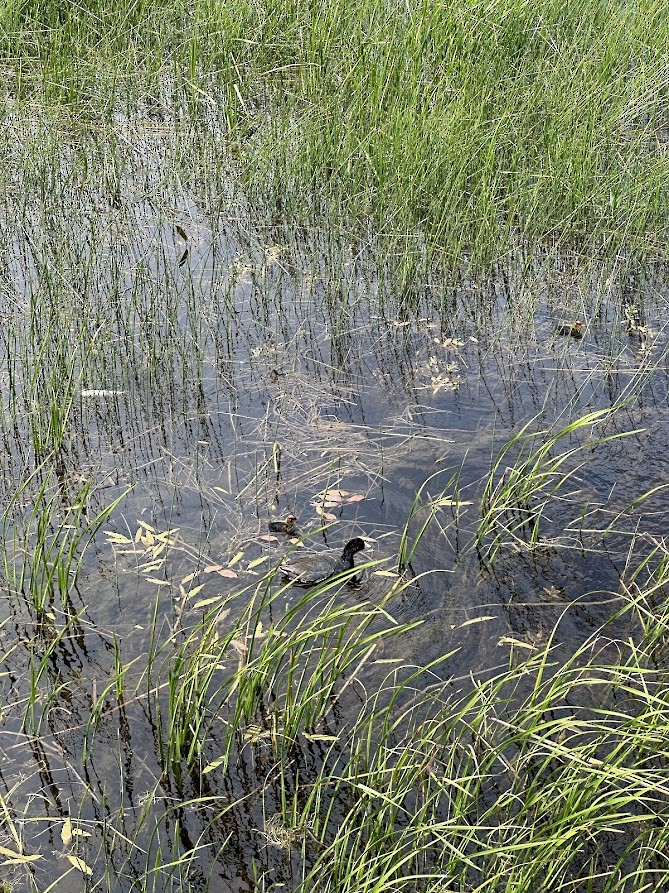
x=478 y=128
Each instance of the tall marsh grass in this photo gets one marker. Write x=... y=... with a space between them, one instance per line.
x=481 y=126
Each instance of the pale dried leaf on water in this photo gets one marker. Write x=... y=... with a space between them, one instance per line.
x=337 y=495
x=206 y=601
x=222 y=615
x=66 y=832
x=516 y=643
x=256 y=562
x=482 y=619
x=226 y=572
x=240 y=647
x=212 y=568
x=118 y=539
x=149 y=567
x=188 y=578
x=214 y=764
x=80 y=864
x=193 y=592
x=268 y=538
x=20 y=857
x=357 y=497
x=316 y=737
x=20 y=860
x=236 y=558
x=157 y=581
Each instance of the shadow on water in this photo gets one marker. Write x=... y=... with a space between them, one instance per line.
x=162 y=346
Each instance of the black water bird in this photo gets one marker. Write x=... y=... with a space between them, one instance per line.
x=321 y=566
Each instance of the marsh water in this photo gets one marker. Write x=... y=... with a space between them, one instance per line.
x=168 y=345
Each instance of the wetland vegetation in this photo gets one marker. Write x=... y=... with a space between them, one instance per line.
x=273 y=258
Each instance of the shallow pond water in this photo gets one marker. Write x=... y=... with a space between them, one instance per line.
x=212 y=372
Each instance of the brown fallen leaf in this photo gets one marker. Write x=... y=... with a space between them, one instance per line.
x=226 y=572
x=80 y=864
x=240 y=647
x=328 y=516
x=358 y=497
x=268 y=538
x=212 y=568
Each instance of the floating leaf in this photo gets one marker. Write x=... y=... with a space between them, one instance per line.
x=357 y=497
x=226 y=572
x=234 y=560
x=193 y=592
x=118 y=539
x=256 y=562
x=182 y=232
x=66 y=832
x=11 y=853
x=206 y=601
x=21 y=860
x=336 y=494
x=214 y=765
x=478 y=620
x=316 y=737
x=157 y=581
x=211 y=568
x=516 y=643
x=240 y=647
x=222 y=614
x=386 y=574
x=80 y=864
x=188 y=578
x=268 y=538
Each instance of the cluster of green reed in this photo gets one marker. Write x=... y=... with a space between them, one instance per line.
x=481 y=126
x=547 y=773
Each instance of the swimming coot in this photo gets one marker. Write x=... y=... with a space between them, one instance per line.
x=289 y=525
x=321 y=566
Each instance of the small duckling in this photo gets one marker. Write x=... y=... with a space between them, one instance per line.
x=573 y=329
x=288 y=525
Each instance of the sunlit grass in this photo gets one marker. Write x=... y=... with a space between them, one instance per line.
x=482 y=128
